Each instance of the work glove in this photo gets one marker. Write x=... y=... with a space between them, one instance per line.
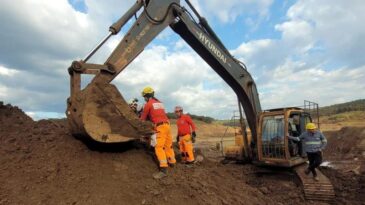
x=153 y=140
x=193 y=136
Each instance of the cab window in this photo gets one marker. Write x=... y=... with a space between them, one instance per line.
x=273 y=136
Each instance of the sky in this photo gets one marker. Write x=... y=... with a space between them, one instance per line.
x=295 y=50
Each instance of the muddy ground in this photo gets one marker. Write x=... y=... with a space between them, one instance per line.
x=346 y=153
x=41 y=163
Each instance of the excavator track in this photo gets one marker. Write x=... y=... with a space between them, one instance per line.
x=321 y=190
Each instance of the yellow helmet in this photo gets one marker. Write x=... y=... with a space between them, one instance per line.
x=147 y=90
x=310 y=126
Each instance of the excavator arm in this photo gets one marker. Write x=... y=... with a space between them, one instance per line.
x=99 y=110
x=208 y=46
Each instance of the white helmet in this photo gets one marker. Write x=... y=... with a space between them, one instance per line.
x=178 y=108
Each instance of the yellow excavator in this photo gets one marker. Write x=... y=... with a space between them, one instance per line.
x=100 y=113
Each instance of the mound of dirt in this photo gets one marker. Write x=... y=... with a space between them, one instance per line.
x=346 y=144
x=349 y=186
x=41 y=163
x=346 y=153
x=12 y=118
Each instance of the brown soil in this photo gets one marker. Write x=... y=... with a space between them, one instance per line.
x=346 y=152
x=346 y=144
x=41 y=163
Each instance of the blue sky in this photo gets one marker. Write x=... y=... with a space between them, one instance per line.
x=78 y=5
x=295 y=49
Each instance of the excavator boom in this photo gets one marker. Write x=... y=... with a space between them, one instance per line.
x=99 y=110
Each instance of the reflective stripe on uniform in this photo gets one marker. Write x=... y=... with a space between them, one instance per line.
x=163 y=161
x=313 y=142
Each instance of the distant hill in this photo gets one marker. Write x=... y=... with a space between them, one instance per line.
x=194 y=117
x=357 y=105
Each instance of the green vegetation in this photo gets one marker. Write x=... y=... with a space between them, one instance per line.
x=194 y=117
x=230 y=123
x=354 y=109
x=346 y=116
x=357 y=105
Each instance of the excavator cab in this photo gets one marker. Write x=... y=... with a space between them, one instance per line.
x=274 y=148
x=273 y=145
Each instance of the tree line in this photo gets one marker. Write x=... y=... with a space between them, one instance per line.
x=357 y=105
x=194 y=117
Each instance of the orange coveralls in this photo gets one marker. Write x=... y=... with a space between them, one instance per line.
x=154 y=110
x=184 y=123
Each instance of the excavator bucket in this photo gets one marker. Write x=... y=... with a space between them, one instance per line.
x=102 y=114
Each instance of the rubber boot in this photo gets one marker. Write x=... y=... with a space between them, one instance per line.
x=189 y=164
x=161 y=174
x=315 y=177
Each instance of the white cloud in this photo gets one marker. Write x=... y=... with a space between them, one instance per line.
x=181 y=77
x=40 y=41
x=337 y=25
x=180 y=45
x=318 y=56
x=314 y=84
x=57 y=34
x=250 y=50
x=228 y=11
x=7 y=72
x=215 y=102
x=321 y=45
x=3 y=91
x=298 y=35
x=45 y=115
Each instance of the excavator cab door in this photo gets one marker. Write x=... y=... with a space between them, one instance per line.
x=274 y=148
x=304 y=119
x=273 y=137
x=296 y=126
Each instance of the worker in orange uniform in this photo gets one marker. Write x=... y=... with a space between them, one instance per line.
x=185 y=135
x=155 y=112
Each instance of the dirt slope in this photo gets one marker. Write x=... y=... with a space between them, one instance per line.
x=346 y=144
x=41 y=163
x=346 y=152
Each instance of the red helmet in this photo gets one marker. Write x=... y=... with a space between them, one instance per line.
x=178 y=109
